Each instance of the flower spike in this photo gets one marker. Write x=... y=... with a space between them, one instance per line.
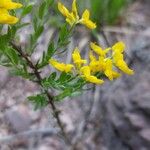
x=73 y=18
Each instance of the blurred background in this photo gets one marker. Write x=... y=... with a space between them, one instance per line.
x=115 y=116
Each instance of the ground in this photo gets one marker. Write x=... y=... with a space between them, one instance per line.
x=119 y=118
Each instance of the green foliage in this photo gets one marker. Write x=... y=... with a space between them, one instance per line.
x=27 y=9
x=64 y=35
x=63 y=41
x=38 y=100
x=47 y=55
x=105 y=12
x=66 y=84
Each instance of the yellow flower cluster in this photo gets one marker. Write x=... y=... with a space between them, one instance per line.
x=5 y=6
x=106 y=62
x=73 y=18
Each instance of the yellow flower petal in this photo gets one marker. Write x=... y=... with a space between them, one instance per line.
x=85 y=70
x=86 y=15
x=95 y=66
x=63 y=10
x=115 y=74
x=109 y=72
x=123 y=67
x=93 y=79
x=86 y=21
x=118 y=47
x=102 y=63
x=73 y=17
x=97 y=49
x=74 y=9
x=91 y=56
x=8 y=4
x=89 y=24
x=118 y=59
x=61 y=66
x=70 y=17
x=5 y=18
x=77 y=58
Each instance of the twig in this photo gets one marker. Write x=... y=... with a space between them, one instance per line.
x=105 y=38
x=56 y=112
x=84 y=124
x=28 y=134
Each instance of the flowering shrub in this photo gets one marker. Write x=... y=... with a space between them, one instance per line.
x=67 y=79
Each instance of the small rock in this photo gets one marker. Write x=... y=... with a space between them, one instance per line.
x=19 y=120
x=136 y=120
x=145 y=134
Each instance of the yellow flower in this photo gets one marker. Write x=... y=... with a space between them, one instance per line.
x=61 y=66
x=118 y=47
x=109 y=72
x=94 y=66
x=93 y=79
x=77 y=58
x=118 y=59
x=121 y=64
x=94 y=63
x=86 y=21
x=98 y=50
x=5 y=18
x=85 y=70
x=73 y=18
x=86 y=74
x=103 y=65
x=8 y=4
x=91 y=56
x=74 y=10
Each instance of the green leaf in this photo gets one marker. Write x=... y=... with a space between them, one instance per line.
x=50 y=51
x=42 y=9
x=12 y=55
x=47 y=55
x=53 y=76
x=50 y=81
x=3 y=42
x=19 y=26
x=107 y=11
x=20 y=72
x=63 y=36
x=39 y=101
x=64 y=78
x=35 y=36
x=49 y=2
x=64 y=94
x=27 y=10
x=39 y=31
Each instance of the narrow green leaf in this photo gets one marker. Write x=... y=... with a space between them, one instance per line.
x=39 y=101
x=27 y=10
x=42 y=10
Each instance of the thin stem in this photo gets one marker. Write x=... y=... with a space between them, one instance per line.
x=56 y=112
x=105 y=38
